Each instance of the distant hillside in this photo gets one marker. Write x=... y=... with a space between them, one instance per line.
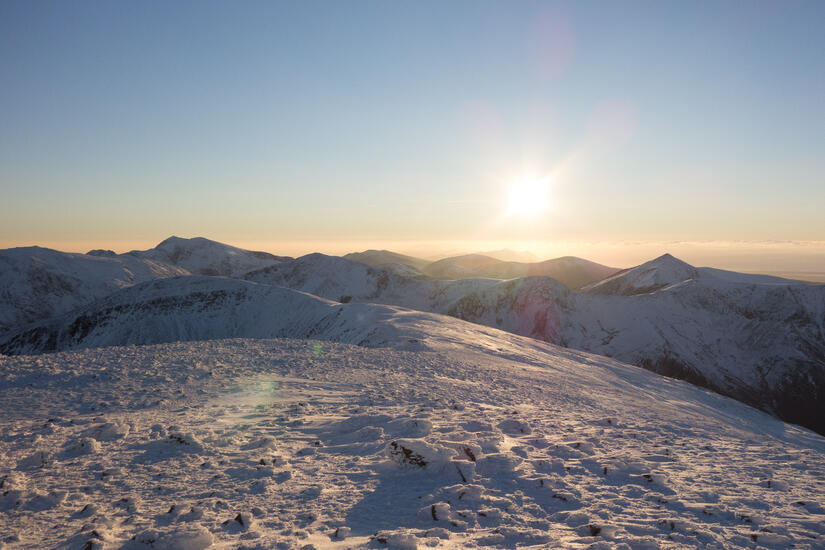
x=383 y=257
x=573 y=272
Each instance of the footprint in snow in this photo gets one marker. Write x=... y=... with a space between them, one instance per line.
x=176 y=537
x=242 y=522
x=514 y=427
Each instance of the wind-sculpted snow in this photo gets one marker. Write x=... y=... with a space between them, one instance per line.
x=480 y=438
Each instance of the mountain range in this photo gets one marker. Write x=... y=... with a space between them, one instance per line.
x=573 y=272
x=759 y=339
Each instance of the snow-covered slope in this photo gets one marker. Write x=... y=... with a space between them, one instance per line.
x=344 y=280
x=761 y=343
x=479 y=438
x=511 y=305
x=204 y=257
x=206 y=308
x=37 y=283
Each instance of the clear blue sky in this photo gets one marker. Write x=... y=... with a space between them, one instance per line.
x=125 y=122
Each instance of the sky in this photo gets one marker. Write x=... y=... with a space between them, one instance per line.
x=336 y=126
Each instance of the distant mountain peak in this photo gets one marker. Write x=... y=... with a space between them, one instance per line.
x=174 y=240
x=672 y=262
x=377 y=258
x=667 y=257
x=203 y=256
x=102 y=253
x=651 y=276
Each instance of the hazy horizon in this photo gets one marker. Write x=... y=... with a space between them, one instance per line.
x=801 y=260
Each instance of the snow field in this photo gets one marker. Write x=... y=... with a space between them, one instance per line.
x=285 y=444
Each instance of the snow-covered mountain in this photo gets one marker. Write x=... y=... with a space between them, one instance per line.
x=499 y=264
x=468 y=265
x=646 y=278
x=508 y=255
x=344 y=280
x=573 y=272
x=201 y=256
x=37 y=283
x=515 y=305
x=758 y=339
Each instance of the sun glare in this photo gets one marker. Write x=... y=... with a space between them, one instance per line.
x=528 y=197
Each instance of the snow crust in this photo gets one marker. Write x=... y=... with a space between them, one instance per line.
x=479 y=438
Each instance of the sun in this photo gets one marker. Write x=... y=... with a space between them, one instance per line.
x=528 y=197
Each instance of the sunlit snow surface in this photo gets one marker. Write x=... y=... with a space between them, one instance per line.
x=286 y=443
